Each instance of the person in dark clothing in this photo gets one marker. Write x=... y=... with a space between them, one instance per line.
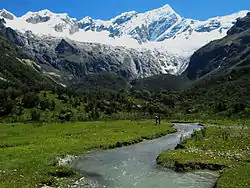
x=159 y=120
x=156 y=120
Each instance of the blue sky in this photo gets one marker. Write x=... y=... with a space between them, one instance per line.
x=106 y=9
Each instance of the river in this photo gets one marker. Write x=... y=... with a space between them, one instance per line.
x=135 y=166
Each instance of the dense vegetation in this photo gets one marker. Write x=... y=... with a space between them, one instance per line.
x=228 y=98
x=101 y=81
x=159 y=83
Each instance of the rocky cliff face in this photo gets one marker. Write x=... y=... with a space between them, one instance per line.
x=18 y=72
x=231 y=52
x=7 y=15
x=78 y=59
x=241 y=25
x=70 y=60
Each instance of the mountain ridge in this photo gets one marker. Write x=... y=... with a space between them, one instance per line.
x=143 y=54
x=225 y=54
x=160 y=28
x=71 y=60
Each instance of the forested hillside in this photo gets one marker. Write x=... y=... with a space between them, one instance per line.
x=213 y=86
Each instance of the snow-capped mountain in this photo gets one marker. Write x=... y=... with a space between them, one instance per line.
x=43 y=22
x=163 y=27
x=160 y=30
x=142 y=27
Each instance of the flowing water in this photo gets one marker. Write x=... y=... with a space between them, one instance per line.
x=135 y=166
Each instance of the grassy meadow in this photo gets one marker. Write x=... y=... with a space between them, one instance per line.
x=224 y=146
x=28 y=152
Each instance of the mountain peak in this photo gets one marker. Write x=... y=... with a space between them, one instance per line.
x=242 y=12
x=165 y=8
x=133 y=12
x=86 y=19
x=44 y=13
x=3 y=10
x=124 y=17
x=158 y=25
x=6 y=14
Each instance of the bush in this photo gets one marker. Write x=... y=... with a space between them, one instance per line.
x=6 y=108
x=30 y=100
x=65 y=115
x=35 y=115
x=239 y=107
x=63 y=98
x=47 y=104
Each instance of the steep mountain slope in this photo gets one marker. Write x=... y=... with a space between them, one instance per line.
x=68 y=61
x=19 y=72
x=217 y=92
x=79 y=59
x=219 y=56
x=221 y=74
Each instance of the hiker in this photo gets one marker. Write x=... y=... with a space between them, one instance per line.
x=156 y=120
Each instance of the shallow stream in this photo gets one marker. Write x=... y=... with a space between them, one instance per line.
x=135 y=166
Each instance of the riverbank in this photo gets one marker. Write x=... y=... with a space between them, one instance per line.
x=29 y=152
x=135 y=166
x=224 y=147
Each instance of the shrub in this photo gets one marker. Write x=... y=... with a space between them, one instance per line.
x=45 y=104
x=6 y=108
x=30 y=100
x=65 y=115
x=35 y=115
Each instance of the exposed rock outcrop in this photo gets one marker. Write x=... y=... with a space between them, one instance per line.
x=74 y=60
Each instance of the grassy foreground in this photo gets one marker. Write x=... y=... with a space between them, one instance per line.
x=225 y=148
x=28 y=152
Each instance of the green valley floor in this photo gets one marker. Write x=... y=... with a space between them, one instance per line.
x=29 y=152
